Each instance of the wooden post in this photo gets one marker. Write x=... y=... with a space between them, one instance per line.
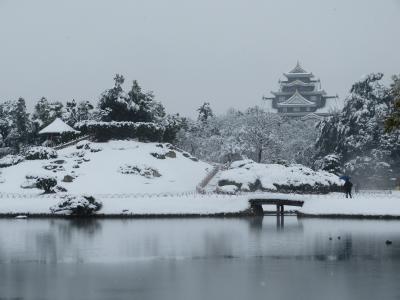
x=257 y=209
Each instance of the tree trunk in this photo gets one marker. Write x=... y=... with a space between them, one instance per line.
x=259 y=155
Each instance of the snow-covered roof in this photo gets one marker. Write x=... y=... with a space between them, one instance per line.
x=295 y=100
x=298 y=82
x=57 y=126
x=298 y=69
x=312 y=116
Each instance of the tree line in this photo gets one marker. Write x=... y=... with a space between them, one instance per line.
x=361 y=139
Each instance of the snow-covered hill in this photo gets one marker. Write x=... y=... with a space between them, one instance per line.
x=121 y=167
x=247 y=175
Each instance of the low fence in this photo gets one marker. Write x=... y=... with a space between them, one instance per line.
x=374 y=192
x=108 y=196
x=70 y=143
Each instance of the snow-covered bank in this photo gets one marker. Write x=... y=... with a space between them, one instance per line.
x=361 y=205
x=247 y=175
x=331 y=205
x=170 y=205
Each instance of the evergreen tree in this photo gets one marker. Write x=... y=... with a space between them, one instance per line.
x=6 y=120
x=70 y=115
x=205 y=112
x=46 y=112
x=136 y=106
x=84 y=111
x=357 y=136
x=144 y=107
x=42 y=115
x=393 y=121
x=113 y=104
x=22 y=123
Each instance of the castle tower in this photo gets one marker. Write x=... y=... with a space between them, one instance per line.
x=300 y=95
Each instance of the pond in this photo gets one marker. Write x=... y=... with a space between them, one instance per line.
x=206 y=258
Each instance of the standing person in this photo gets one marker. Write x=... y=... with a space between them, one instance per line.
x=347 y=187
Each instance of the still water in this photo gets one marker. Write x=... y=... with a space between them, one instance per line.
x=199 y=259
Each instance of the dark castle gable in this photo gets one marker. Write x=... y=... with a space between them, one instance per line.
x=300 y=95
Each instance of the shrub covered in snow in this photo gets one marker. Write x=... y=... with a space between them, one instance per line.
x=10 y=160
x=40 y=152
x=330 y=163
x=104 y=131
x=46 y=183
x=86 y=145
x=77 y=205
x=247 y=176
x=141 y=170
x=227 y=189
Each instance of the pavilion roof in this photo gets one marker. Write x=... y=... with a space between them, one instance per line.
x=57 y=127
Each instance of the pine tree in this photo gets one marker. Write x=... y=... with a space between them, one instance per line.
x=113 y=104
x=42 y=113
x=70 y=115
x=205 y=112
x=145 y=108
x=357 y=134
x=135 y=106
x=393 y=121
x=84 y=111
x=6 y=120
x=22 y=123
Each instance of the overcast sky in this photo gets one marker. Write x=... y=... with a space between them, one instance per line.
x=227 y=52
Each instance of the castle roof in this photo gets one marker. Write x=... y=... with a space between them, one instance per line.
x=297 y=82
x=296 y=100
x=298 y=71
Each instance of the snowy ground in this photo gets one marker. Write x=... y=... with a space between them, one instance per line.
x=99 y=172
x=360 y=205
x=332 y=204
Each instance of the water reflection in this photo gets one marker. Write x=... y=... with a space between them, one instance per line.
x=198 y=259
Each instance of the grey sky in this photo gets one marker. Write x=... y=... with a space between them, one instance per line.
x=227 y=52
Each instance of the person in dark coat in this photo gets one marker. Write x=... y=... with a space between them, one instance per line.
x=347 y=187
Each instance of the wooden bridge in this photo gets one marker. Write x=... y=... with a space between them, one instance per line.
x=256 y=205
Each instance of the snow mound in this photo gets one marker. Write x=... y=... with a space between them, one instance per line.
x=141 y=170
x=247 y=176
x=10 y=160
x=98 y=172
x=40 y=152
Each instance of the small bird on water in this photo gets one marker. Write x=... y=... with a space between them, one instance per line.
x=388 y=242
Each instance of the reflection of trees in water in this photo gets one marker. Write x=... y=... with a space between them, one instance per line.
x=46 y=245
x=217 y=245
x=67 y=228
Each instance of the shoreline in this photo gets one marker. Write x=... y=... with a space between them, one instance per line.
x=245 y=214
x=329 y=206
